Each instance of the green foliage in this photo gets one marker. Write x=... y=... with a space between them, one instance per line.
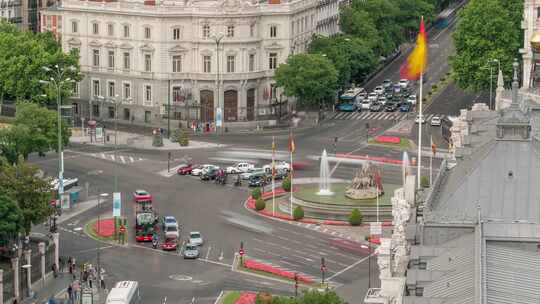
x=11 y=218
x=175 y=135
x=308 y=297
x=184 y=139
x=424 y=182
x=355 y=218
x=298 y=213
x=260 y=204
x=21 y=183
x=286 y=184
x=256 y=193
x=486 y=30
x=310 y=77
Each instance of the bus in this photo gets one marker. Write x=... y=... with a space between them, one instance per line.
x=124 y=292
x=351 y=95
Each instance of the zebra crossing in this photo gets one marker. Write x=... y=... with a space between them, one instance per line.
x=395 y=116
x=124 y=159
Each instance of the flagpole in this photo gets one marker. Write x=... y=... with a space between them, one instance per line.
x=377 y=193
x=273 y=177
x=291 y=174
x=419 y=163
x=431 y=163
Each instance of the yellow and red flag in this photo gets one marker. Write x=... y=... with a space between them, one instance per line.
x=292 y=146
x=273 y=157
x=417 y=61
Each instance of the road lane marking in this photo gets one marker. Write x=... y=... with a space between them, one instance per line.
x=208 y=252
x=349 y=267
x=131 y=159
x=122 y=159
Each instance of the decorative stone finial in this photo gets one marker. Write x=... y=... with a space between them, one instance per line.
x=515 y=84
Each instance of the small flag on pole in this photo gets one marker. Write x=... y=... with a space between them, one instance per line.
x=273 y=156
x=433 y=147
x=416 y=63
x=292 y=147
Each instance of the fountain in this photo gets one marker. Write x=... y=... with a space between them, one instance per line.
x=405 y=166
x=324 y=178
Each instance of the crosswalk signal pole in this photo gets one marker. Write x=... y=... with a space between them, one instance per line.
x=295 y=285
x=323 y=270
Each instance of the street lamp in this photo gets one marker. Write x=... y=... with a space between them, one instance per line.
x=490 y=62
x=58 y=79
x=114 y=100
x=369 y=263
x=104 y=196
x=217 y=39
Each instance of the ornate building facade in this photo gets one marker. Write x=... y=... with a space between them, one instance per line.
x=190 y=60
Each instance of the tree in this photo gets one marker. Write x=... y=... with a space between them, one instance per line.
x=310 y=77
x=260 y=204
x=355 y=218
x=16 y=141
x=11 y=218
x=298 y=213
x=486 y=30
x=21 y=183
x=286 y=183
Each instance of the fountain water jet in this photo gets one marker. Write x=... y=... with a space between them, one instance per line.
x=324 y=178
x=405 y=166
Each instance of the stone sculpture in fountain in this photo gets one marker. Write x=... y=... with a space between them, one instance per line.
x=366 y=184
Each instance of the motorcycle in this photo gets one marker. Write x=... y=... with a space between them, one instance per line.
x=155 y=244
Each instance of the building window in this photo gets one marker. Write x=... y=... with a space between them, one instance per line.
x=111 y=89
x=95 y=28
x=251 y=62
x=273 y=31
x=306 y=23
x=111 y=112
x=272 y=61
x=147 y=33
x=230 y=64
x=251 y=30
x=126 y=31
x=75 y=89
x=177 y=64
x=95 y=110
x=95 y=58
x=207 y=64
x=230 y=31
x=127 y=61
x=126 y=114
x=148 y=93
x=95 y=88
x=127 y=90
x=111 y=60
x=148 y=63
x=74 y=27
x=176 y=34
x=206 y=31
x=177 y=94
x=110 y=29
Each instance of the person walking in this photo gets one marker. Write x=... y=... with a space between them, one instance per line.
x=70 y=294
x=76 y=289
x=70 y=265
x=102 y=281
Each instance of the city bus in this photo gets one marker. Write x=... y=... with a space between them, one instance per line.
x=124 y=292
x=351 y=95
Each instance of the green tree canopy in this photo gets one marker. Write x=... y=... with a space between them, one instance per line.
x=21 y=183
x=486 y=30
x=311 y=78
x=11 y=218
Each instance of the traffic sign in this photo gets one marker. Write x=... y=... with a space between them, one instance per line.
x=241 y=252
x=375 y=228
x=122 y=229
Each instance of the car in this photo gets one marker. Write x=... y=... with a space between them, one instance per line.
x=195 y=238
x=412 y=99
x=382 y=100
x=397 y=88
x=185 y=169
x=347 y=107
x=257 y=181
x=191 y=251
x=198 y=171
x=436 y=121
x=420 y=119
x=171 y=243
x=387 y=83
x=209 y=174
x=375 y=107
x=373 y=96
x=405 y=107
x=141 y=195
x=169 y=220
x=378 y=90
x=171 y=231
x=403 y=83
x=239 y=168
x=279 y=165
x=251 y=172
x=281 y=174
x=366 y=103
x=390 y=106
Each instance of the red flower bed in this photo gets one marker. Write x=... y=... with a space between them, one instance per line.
x=246 y=298
x=250 y=264
x=388 y=139
x=106 y=227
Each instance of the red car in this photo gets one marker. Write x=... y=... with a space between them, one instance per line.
x=140 y=196
x=185 y=169
x=170 y=243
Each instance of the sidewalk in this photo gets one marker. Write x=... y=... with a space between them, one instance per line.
x=77 y=209
x=52 y=287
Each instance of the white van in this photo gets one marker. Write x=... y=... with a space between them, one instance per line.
x=125 y=292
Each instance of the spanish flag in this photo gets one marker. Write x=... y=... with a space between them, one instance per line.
x=417 y=61
x=292 y=146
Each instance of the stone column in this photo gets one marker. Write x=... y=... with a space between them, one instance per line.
x=42 y=254
x=16 y=283
x=28 y=256
x=1 y=286
x=56 y=240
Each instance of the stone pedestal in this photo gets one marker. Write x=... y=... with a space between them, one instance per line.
x=16 y=283
x=56 y=241
x=42 y=260
x=28 y=257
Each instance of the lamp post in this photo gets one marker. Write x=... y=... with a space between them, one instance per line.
x=490 y=62
x=217 y=39
x=369 y=263
x=102 y=195
x=58 y=79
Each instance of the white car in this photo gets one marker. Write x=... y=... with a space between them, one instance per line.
x=436 y=121
x=366 y=104
x=171 y=232
x=412 y=99
x=169 y=220
x=280 y=165
x=420 y=119
x=202 y=169
x=373 y=96
x=403 y=83
x=378 y=90
x=382 y=100
x=239 y=168
x=195 y=238
x=253 y=171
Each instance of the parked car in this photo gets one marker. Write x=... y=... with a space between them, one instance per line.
x=198 y=171
x=375 y=107
x=239 y=168
x=185 y=169
x=420 y=119
x=252 y=172
x=382 y=100
x=171 y=231
x=195 y=238
x=403 y=83
x=412 y=99
x=169 y=220
x=436 y=121
x=373 y=96
x=191 y=251
x=405 y=107
x=171 y=243
x=379 y=90
x=279 y=165
x=209 y=174
x=397 y=88
x=387 y=83
x=366 y=103
x=257 y=181
x=347 y=107
x=281 y=174
x=390 y=106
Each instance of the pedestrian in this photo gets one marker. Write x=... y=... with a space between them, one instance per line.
x=76 y=289
x=61 y=261
x=90 y=282
x=102 y=281
x=70 y=293
x=54 y=270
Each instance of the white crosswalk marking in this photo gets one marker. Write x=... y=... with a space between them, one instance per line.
x=122 y=159
x=113 y=157
x=392 y=116
x=355 y=116
x=429 y=117
x=103 y=156
x=131 y=159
